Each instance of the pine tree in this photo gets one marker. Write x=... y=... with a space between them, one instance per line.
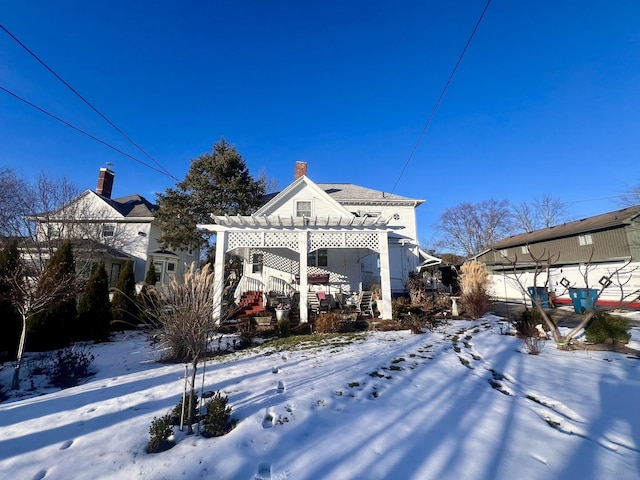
x=145 y=298
x=10 y=320
x=151 y=278
x=51 y=328
x=123 y=306
x=94 y=309
x=217 y=183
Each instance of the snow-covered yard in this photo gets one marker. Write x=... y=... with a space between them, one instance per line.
x=461 y=403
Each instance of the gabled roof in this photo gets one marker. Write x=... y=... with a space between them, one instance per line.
x=350 y=194
x=132 y=206
x=605 y=221
x=302 y=182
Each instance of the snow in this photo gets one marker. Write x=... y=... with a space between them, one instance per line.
x=376 y=406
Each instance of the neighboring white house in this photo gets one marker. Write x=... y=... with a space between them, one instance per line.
x=336 y=238
x=121 y=228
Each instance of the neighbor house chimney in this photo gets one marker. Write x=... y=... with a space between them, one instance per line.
x=105 y=182
x=301 y=169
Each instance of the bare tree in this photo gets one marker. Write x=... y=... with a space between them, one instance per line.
x=11 y=188
x=631 y=197
x=542 y=212
x=470 y=228
x=183 y=314
x=543 y=262
x=31 y=289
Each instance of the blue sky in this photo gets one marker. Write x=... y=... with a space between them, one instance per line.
x=546 y=100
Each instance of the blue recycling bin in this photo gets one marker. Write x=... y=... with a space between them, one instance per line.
x=583 y=299
x=542 y=294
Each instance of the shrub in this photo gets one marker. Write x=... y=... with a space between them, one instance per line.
x=284 y=327
x=216 y=419
x=159 y=433
x=475 y=282
x=476 y=303
x=328 y=323
x=533 y=345
x=603 y=327
x=176 y=413
x=51 y=328
x=70 y=365
x=526 y=325
x=11 y=324
x=94 y=310
x=123 y=306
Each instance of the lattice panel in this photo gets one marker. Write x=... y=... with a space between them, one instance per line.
x=281 y=239
x=325 y=240
x=244 y=239
x=362 y=240
x=279 y=262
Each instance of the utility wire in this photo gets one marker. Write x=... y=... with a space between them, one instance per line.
x=117 y=129
x=444 y=90
x=16 y=96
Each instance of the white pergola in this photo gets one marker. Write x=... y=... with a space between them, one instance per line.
x=301 y=235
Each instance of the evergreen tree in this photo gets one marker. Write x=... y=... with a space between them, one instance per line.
x=123 y=306
x=94 y=308
x=51 y=328
x=145 y=298
x=217 y=183
x=151 y=278
x=10 y=320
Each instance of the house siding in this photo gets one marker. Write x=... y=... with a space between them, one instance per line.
x=606 y=245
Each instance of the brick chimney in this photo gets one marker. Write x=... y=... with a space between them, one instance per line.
x=105 y=182
x=301 y=169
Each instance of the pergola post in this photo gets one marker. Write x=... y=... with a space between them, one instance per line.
x=385 y=276
x=303 y=247
x=218 y=275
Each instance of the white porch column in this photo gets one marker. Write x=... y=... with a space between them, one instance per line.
x=385 y=276
x=218 y=276
x=304 y=288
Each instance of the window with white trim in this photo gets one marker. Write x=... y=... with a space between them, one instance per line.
x=585 y=239
x=108 y=230
x=257 y=263
x=524 y=249
x=54 y=230
x=303 y=208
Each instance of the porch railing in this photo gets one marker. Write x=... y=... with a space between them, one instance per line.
x=248 y=284
x=278 y=286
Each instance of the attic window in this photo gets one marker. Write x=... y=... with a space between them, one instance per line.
x=303 y=209
x=108 y=230
x=585 y=239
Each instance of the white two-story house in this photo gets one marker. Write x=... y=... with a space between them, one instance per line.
x=334 y=238
x=115 y=229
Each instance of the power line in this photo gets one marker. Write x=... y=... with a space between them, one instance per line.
x=93 y=137
x=444 y=90
x=117 y=129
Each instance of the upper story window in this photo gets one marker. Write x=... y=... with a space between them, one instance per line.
x=108 y=230
x=524 y=249
x=585 y=239
x=54 y=230
x=303 y=209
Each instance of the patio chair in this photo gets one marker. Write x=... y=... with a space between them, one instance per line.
x=364 y=306
x=324 y=302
